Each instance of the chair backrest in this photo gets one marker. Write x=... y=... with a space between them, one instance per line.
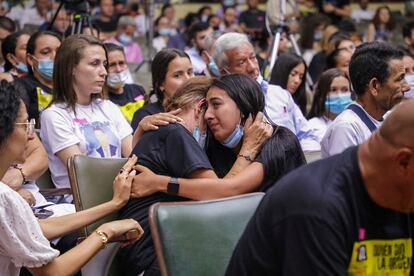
x=198 y=237
x=91 y=181
x=312 y=156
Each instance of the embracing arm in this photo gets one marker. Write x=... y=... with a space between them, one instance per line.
x=152 y=122
x=200 y=189
x=256 y=134
x=58 y=226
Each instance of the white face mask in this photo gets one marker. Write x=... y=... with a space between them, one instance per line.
x=410 y=81
x=117 y=80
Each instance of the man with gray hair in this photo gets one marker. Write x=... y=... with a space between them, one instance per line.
x=233 y=53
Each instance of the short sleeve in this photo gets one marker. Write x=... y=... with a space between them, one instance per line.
x=22 y=239
x=339 y=137
x=122 y=126
x=188 y=155
x=57 y=131
x=293 y=245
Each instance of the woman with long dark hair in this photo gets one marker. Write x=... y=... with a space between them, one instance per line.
x=289 y=72
x=332 y=95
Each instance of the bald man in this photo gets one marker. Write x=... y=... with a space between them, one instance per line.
x=347 y=214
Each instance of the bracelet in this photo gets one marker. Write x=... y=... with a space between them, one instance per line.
x=19 y=167
x=247 y=157
x=103 y=236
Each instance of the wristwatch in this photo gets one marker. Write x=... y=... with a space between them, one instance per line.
x=173 y=186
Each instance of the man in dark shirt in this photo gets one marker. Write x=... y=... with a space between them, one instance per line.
x=107 y=21
x=336 y=10
x=252 y=20
x=347 y=214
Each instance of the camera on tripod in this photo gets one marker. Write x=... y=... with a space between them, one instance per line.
x=76 y=6
x=80 y=12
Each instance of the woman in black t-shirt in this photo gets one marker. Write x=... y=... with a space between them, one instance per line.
x=231 y=100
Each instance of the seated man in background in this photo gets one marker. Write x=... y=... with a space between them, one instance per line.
x=377 y=76
x=345 y=215
x=233 y=53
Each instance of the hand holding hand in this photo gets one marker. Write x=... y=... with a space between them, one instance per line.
x=115 y=229
x=256 y=135
x=145 y=182
x=123 y=181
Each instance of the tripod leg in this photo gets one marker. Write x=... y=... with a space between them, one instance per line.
x=275 y=49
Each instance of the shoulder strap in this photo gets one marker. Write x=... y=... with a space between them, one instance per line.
x=363 y=116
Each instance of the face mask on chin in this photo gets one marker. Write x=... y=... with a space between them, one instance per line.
x=117 y=80
x=235 y=137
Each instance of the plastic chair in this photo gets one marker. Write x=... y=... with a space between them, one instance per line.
x=91 y=181
x=198 y=237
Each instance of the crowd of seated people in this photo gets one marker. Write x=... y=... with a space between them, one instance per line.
x=217 y=121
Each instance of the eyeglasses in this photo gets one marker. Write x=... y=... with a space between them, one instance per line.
x=30 y=126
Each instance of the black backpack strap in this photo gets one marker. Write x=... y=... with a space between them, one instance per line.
x=363 y=116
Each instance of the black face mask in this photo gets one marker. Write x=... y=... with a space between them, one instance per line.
x=216 y=28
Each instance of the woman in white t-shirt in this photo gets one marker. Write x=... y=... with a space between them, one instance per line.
x=332 y=96
x=24 y=239
x=79 y=119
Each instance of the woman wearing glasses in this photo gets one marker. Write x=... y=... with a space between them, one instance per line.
x=24 y=239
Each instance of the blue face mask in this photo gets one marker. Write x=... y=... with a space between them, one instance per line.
x=125 y=39
x=200 y=138
x=317 y=36
x=337 y=104
x=21 y=67
x=212 y=66
x=164 y=32
x=45 y=68
x=234 y=139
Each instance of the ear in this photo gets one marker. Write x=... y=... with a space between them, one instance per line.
x=407 y=40
x=204 y=56
x=374 y=86
x=10 y=57
x=30 y=60
x=405 y=160
x=200 y=109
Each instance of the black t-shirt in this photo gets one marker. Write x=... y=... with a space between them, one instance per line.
x=106 y=26
x=172 y=151
x=39 y=96
x=337 y=4
x=320 y=220
x=317 y=66
x=253 y=19
x=131 y=100
x=148 y=109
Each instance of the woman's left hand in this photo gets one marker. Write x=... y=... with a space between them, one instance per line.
x=123 y=181
x=145 y=182
x=256 y=134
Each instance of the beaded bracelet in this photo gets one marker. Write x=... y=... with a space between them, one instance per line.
x=19 y=167
x=103 y=236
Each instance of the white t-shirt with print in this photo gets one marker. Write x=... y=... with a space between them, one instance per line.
x=98 y=130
